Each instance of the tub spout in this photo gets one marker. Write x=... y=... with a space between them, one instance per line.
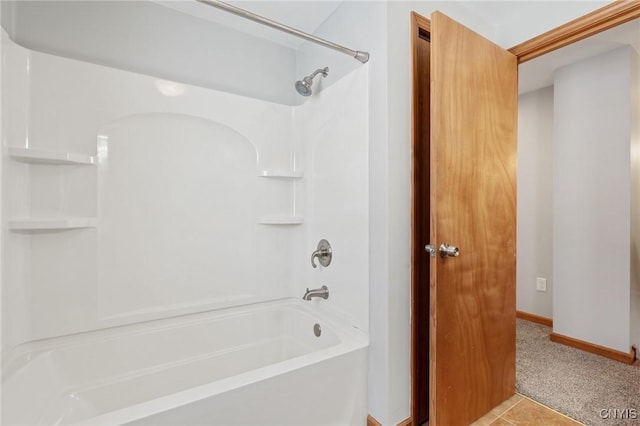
x=316 y=292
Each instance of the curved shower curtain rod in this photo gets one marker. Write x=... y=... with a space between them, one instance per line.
x=360 y=56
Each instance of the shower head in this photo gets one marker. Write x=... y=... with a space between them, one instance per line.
x=304 y=86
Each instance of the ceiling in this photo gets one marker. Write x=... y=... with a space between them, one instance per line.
x=304 y=15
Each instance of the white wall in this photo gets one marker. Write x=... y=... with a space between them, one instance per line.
x=591 y=199
x=332 y=141
x=148 y=38
x=535 y=201
x=635 y=198
x=14 y=192
x=2 y=220
x=360 y=25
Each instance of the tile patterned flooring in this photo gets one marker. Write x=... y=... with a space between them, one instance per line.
x=522 y=411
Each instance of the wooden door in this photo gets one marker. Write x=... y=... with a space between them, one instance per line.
x=474 y=97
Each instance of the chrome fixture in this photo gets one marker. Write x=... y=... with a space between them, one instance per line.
x=317 y=330
x=316 y=292
x=431 y=249
x=360 y=56
x=323 y=253
x=304 y=86
x=449 y=251
x=445 y=250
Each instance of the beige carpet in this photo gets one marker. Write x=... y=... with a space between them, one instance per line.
x=573 y=382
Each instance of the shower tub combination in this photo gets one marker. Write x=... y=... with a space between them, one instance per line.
x=125 y=308
x=253 y=365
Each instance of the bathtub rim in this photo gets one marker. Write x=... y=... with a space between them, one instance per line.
x=17 y=357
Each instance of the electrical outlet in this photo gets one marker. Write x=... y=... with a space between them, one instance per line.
x=541 y=284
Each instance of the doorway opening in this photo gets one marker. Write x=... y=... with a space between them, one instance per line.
x=600 y=20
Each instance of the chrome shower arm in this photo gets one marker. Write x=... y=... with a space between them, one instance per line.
x=323 y=71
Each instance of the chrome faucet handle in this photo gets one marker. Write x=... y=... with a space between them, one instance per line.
x=315 y=254
x=323 y=253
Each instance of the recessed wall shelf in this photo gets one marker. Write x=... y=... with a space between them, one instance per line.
x=284 y=174
x=43 y=224
x=38 y=156
x=280 y=220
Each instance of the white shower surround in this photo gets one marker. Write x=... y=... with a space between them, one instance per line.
x=139 y=236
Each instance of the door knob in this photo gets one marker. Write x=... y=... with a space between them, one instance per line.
x=449 y=251
x=431 y=249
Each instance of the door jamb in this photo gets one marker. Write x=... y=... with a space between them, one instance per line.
x=419 y=24
x=607 y=17
x=602 y=19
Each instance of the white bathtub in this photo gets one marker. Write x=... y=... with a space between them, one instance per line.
x=254 y=365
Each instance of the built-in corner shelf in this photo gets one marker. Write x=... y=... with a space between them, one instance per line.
x=280 y=220
x=50 y=224
x=38 y=156
x=282 y=174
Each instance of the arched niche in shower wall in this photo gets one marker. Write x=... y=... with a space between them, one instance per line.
x=177 y=211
